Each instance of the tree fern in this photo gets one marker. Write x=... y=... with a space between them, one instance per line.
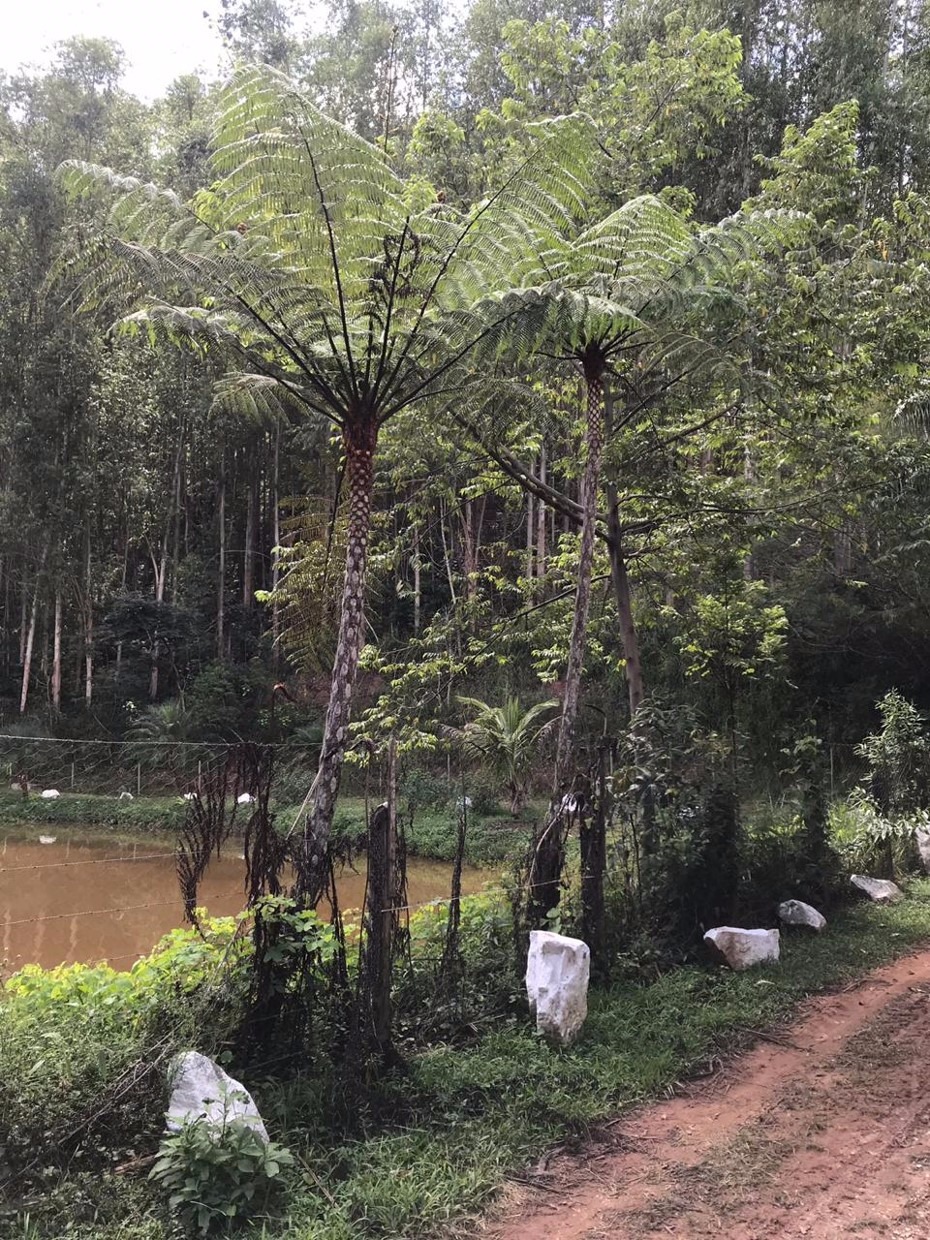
x=309 y=260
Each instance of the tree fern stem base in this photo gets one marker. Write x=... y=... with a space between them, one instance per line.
x=359 y=440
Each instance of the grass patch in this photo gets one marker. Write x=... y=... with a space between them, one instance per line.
x=431 y=1146
x=142 y=815
x=471 y=1117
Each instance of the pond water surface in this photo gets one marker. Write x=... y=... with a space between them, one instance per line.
x=82 y=900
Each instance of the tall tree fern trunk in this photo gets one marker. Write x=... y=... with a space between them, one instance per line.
x=545 y=868
x=359 y=439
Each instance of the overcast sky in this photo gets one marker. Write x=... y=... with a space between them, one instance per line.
x=161 y=38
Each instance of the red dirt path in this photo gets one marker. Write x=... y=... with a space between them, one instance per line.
x=820 y=1133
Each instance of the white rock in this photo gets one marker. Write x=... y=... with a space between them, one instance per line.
x=741 y=949
x=557 y=972
x=881 y=890
x=200 y=1089
x=797 y=913
x=923 y=847
x=188 y=796
x=50 y=794
x=47 y=839
x=125 y=796
x=244 y=798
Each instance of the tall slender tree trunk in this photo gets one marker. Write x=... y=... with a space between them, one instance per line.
x=529 y=536
x=360 y=437
x=417 y=583
x=629 y=638
x=275 y=560
x=89 y=624
x=23 y=615
x=161 y=574
x=471 y=533
x=248 y=559
x=594 y=441
x=175 y=515
x=221 y=579
x=30 y=638
x=56 y=655
x=446 y=551
x=124 y=581
x=548 y=851
x=541 y=522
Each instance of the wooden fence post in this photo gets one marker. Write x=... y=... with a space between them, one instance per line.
x=381 y=915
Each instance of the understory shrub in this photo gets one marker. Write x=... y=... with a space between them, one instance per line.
x=870 y=842
x=214 y=1176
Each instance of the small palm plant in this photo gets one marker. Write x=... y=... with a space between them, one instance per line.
x=505 y=738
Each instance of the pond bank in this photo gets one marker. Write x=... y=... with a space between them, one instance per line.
x=432 y=834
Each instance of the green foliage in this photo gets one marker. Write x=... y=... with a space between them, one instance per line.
x=871 y=842
x=153 y=816
x=215 y=1175
x=84 y=1047
x=898 y=757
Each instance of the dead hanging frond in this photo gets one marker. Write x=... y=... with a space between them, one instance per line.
x=211 y=815
x=264 y=847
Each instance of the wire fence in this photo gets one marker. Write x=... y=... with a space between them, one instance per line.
x=105 y=768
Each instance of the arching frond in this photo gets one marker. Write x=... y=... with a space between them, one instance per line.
x=304 y=259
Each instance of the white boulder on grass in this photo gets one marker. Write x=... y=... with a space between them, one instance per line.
x=244 y=798
x=797 y=913
x=881 y=890
x=742 y=949
x=557 y=973
x=50 y=794
x=47 y=839
x=923 y=847
x=201 y=1090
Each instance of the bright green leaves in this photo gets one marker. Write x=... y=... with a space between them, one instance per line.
x=213 y=1174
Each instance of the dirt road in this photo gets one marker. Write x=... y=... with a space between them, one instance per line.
x=823 y=1132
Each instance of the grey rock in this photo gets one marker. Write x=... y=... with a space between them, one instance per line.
x=743 y=949
x=797 y=913
x=201 y=1090
x=881 y=890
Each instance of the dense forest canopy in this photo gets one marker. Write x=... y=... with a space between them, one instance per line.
x=689 y=376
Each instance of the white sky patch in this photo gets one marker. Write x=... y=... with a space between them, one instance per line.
x=161 y=38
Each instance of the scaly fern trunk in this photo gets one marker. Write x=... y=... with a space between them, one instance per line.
x=359 y=439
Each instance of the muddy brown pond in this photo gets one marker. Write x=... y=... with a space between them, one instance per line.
x=77 y=900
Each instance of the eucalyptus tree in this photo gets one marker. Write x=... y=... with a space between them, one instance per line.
x=339 y=289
